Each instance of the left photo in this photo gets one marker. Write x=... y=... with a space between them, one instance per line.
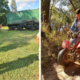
x=19 y=39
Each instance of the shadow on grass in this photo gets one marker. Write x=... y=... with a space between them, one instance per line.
x=16 y=43
x=19 y=63
x=11 y=47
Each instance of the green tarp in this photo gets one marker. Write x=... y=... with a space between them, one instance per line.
x=21 y=16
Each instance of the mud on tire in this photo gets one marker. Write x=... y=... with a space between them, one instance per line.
x=62 y=58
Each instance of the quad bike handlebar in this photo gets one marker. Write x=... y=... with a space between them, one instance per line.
x=74 y=35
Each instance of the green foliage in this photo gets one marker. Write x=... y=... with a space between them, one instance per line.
x=4 y=9
x=59 y=15
x=71 y=10
x=76 y=5
x=59 y=18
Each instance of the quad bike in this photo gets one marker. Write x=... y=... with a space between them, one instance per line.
x=70 y=52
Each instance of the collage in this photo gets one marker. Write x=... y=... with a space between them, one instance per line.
x=39 y=40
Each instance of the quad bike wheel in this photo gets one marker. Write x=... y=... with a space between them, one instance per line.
x=62 y=57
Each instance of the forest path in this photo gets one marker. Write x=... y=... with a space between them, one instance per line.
x=58 y=72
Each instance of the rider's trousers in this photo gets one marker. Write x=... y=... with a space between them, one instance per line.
x=72 y=41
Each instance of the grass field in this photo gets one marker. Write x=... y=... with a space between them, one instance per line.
x=18 y=55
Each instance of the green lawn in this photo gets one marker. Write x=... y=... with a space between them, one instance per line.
x=18 y=55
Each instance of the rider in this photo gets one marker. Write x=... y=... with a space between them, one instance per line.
x=65 y=27
x=76 y=26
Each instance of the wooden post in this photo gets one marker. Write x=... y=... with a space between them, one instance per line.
x=32 y=25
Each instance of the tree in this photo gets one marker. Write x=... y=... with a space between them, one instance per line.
x=60 y=15
x=13 y=6
x=72 y=4
x=45 y=9
x=4 y=10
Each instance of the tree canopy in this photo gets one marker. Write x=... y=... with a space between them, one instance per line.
x=59 y=15
x=4 y=10
x=13 y=5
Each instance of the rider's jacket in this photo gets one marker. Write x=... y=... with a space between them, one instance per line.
x=74 y=26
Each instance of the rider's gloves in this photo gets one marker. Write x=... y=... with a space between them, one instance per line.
x=69 y=32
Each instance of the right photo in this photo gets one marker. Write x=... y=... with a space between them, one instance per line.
x=60 y=40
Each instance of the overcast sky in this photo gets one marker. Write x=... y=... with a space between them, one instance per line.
x=26 y=4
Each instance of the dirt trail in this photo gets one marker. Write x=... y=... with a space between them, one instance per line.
x=58 y=72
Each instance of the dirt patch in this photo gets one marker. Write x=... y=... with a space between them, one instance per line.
x=58 y=72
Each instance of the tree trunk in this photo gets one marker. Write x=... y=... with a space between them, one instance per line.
x=45 y=10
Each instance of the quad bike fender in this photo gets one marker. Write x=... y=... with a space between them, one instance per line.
x=78 y=46
x=65 y=44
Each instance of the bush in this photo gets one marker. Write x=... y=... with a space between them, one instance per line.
x=51 y=44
